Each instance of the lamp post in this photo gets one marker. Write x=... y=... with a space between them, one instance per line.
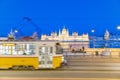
x=15 y=32
x=93 y=38
x=118 y=28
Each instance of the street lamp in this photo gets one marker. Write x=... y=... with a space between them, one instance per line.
x=93 y=39
x=93 y=36
x=15 y=31
x=118 y=28
x=106 y=37
x=92 y=30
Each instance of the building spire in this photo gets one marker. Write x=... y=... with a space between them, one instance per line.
x=67 y=32
x=59 y=32
x=106 y=36
x=11 y=35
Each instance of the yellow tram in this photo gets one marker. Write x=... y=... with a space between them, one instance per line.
x=30 y=54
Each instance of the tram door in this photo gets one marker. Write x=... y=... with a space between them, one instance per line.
x=45 y=57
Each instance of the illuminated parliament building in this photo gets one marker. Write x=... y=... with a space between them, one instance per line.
x=68 y=41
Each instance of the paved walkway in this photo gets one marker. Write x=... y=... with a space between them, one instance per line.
x=57 y=79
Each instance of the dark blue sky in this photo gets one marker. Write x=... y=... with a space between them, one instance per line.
x=52 y=15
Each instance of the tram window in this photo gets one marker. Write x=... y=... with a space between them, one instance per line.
x=45 y=50
x=51 y=49
x=32 y=46
x=24 y=53
x=59 y=49
x=32 y=52
x=1 y=49
x=17 y=49
x=49 y=62
x=41 y=62
x=42 y=57
x=42 y=50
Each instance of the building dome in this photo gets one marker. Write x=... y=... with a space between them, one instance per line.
x=64 y=31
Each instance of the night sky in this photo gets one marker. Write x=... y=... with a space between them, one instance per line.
x=52 y=15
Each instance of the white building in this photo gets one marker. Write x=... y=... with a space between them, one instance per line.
x=68 y=41
x=65 y=36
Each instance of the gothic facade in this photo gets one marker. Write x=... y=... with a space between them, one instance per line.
x=65 y=36
x=68 y=41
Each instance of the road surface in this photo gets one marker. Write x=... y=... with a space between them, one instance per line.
x=58 y=79
x=59 y=75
